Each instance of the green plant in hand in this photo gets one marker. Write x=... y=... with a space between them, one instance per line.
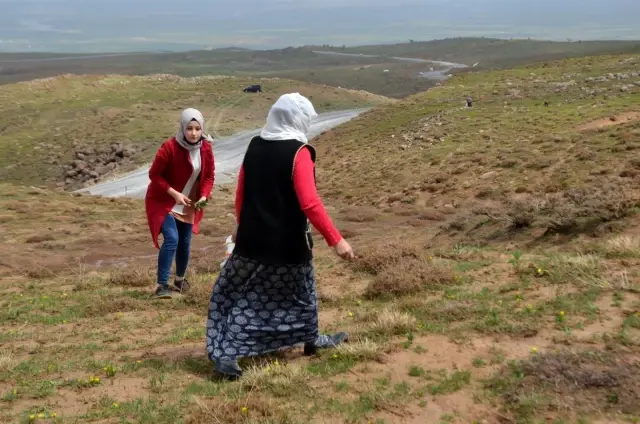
x=200 y=204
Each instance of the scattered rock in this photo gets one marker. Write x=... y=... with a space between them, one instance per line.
x=514 y=94
x=487 y=175
x=563 y=86
x=79 y=164
x=89 y=164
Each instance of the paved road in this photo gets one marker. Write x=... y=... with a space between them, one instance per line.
x=229 y=153
x=436 y=74
x=449 y=65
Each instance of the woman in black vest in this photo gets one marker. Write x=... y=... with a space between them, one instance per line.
x=265 y=297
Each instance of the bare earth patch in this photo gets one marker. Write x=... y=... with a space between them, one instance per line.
x=623 y=118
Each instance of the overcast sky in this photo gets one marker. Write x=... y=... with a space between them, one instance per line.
x=116 y=25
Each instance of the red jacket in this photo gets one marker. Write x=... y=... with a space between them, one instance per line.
x=172 y=168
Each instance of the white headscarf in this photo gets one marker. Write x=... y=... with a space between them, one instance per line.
x=289 y=118
x=187 y=116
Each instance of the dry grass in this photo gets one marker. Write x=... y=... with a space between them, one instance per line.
x=231 y=411
x=364 y=349
x=623 y=246
x=131 y=277
x=7 y=360
x=388 y=322
x=276 y=377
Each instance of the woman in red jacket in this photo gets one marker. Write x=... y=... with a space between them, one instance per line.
x=265 y=296
x=181 y=177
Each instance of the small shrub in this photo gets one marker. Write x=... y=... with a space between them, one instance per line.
x=408 y=275
x=113 y=305
x=569 y=382
x=132 y=277
x=380 y=257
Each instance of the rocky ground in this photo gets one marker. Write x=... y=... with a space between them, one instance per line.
x=91 y=165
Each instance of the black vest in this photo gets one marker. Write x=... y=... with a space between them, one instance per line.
x=273 y=229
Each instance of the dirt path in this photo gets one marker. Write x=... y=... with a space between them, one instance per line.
x=613 y=120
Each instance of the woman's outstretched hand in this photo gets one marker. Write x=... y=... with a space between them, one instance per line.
x=344 y=250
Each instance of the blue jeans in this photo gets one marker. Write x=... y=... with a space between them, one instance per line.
x=177 y=242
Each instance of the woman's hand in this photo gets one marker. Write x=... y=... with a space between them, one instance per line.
x=181 y=199
x=201 y=203
x=344 y=250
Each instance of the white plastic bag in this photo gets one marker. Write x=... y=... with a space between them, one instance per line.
x=230 y=245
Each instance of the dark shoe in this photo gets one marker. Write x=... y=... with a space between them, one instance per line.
x=325 y=342
x=227 y=372
x=163 y=292
x=181 y=286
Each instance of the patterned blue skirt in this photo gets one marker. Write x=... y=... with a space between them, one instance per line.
x=257 y=308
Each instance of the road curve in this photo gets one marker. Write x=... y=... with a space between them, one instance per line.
x=228 y=152
x=449 y=65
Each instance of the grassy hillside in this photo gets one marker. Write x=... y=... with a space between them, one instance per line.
x=120 y=121
x=298 y=63
x=514 y=233
x=301 y=63
x=496 y=281
x=495 y=53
